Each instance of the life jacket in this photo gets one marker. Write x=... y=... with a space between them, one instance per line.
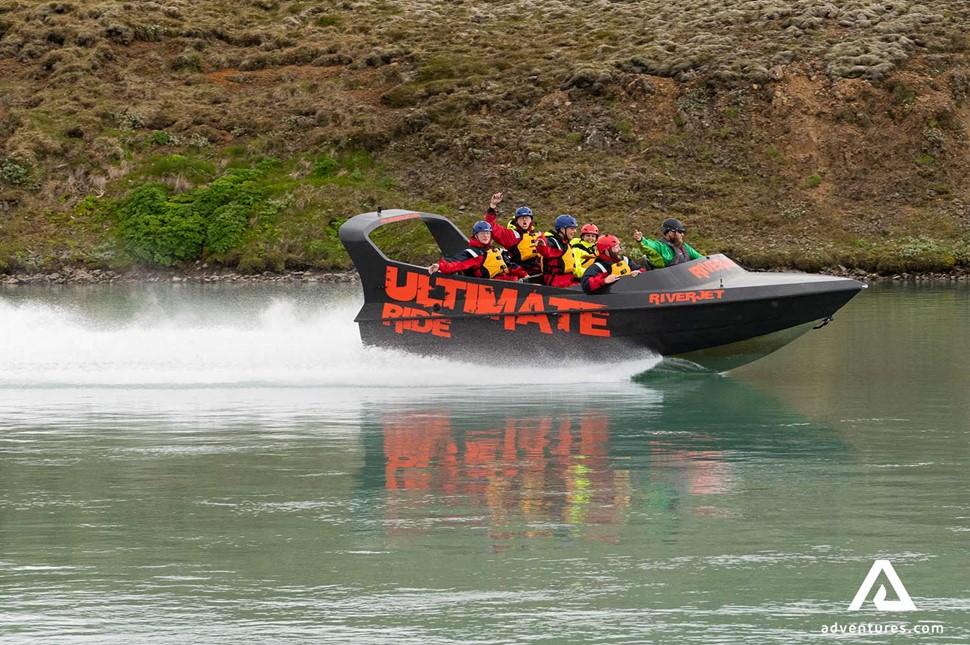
x=584 y=254
x=680 y=255
x=565 y=263
x=526 y=248
x=493 y=264
x=620 y=267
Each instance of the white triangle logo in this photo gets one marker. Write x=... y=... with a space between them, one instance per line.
x=905 y=603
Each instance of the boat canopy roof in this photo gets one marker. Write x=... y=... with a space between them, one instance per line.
x=368 y=257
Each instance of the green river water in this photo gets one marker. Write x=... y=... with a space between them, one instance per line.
x=229 y=465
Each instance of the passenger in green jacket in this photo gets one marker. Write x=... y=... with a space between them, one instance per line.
x=670 y=249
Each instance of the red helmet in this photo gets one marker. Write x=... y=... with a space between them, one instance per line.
x=589 y=228
x=606 y=243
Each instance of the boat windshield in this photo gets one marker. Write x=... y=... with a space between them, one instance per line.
x=407 y=241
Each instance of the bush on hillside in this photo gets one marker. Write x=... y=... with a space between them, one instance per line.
x=157 y=227
x=157 y=230
x=226 y=228
x=14 y=173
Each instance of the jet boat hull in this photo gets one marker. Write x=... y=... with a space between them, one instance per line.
x=710 y=311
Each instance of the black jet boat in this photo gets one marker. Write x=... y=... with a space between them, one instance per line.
x=709 y=311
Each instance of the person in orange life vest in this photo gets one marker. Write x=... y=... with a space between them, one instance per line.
x=609 y=266
x=480 y=260
x=519 y=238
x=558 y=259
x=584 y=248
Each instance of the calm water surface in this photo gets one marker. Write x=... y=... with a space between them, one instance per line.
x=226 y=464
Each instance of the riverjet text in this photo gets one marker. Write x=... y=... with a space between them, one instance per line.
x=685 y=296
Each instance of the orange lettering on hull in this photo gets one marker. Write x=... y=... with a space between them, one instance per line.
x=417 y=320
x=482 y=299
x=591 y=324
x=401 y=292
x=710 y=266
x=418 y=293
x=685 y=296
x=511 y=322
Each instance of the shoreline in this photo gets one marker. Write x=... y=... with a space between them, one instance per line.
x=72 y=276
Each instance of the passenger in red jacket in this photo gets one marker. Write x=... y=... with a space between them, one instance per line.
x=558 y=259
x=519 y=238
x=609 y=266
x=480 y=260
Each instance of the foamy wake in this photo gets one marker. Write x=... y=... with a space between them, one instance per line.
x=280 y=342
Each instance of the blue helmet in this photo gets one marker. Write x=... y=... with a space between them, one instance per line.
x=565 y=221
x=523 y=211
x=480 y=227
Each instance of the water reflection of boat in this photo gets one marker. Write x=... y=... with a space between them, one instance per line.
x=561 y=467
x=709 y=310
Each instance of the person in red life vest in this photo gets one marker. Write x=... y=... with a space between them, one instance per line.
x=609 y=266
x=480 y=259
x=558 y=259
x=519 y=238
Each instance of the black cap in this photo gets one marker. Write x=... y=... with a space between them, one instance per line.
x=672 y=224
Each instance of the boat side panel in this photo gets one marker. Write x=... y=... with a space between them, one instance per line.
x=438 y=315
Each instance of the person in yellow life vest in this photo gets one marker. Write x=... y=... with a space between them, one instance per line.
x=609 y=266
x=584 y=248
x=557 y=255
x=480 y=260
x=519 y=238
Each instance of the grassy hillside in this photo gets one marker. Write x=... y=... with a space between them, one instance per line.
x=805 y=133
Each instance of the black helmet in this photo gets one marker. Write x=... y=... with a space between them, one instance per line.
x=672 y=224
